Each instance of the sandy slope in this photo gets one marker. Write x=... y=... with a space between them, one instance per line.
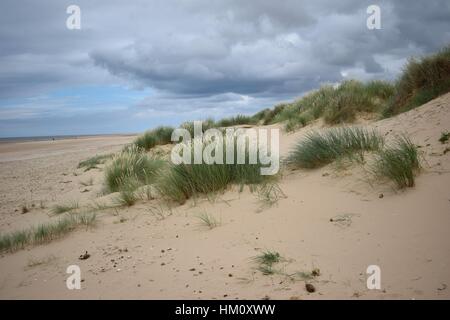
x=137 y=254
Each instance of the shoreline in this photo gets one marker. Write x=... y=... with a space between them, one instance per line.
x=6 y=140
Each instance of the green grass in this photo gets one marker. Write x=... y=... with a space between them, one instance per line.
x=208 y=220
x=62 y=208
x=151 y=138
x=131 y=165
x=317 y=149
x=422 y=80
x=93 y=162
x=127 y=196
x=236 y=120
x=339 y=104
x=44 y=232
x=181 y=182
x=268 y=257
x=399 y=163
x=266 y=262
x=444 y=137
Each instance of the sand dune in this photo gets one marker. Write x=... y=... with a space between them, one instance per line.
x=137 y=253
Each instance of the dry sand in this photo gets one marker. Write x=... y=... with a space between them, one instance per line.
x=135 y=253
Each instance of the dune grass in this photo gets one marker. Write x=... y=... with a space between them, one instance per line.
x=62 y=208
x=422 y=80
x=266 y=261
x=183 y=181
x=336 y=104
x=399 y=162
x=151 y=138
x=131 y=165
x=236 y=120
x=44 y=232
x=127 y=195
x=321 y=148
x=269 y=193
x=208 y=220
x=92 y=163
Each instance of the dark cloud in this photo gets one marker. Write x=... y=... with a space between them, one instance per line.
x=209 y=55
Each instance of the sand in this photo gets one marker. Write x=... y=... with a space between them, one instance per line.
x=137 y=253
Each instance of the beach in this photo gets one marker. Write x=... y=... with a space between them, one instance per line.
x=337 y=221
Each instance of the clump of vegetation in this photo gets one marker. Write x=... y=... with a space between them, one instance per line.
x=62 y=208
x=127 y=196
x=337 y=104
x=398 y=162
x=131 y=165
x=349 y=98
x=44 y=232
x=92 y=163
x=181 y=182
x=269 y=194
x=444 y=137
x=151 y=138
x=422 y=80
x=266 y=261
x=318 y=149
x=236 y=120
x=208 y=220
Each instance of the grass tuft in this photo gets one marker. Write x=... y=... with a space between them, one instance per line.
x=399 y=162
x=208 y=220
x=93 y=162
x=62 y=208
x=422 y=80
x=149 y=139
x=266 y=261
x=44 y=232
x=318 y=149
x=131 y=165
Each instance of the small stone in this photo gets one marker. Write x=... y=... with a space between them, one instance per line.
x=310 y=288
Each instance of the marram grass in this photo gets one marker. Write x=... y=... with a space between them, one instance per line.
x=318 y=149
x=399 y=163
x=131 y=165
x=44 y=232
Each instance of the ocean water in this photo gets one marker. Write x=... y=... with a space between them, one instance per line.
x=51 y=138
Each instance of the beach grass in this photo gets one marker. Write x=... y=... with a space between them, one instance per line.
x=131 y=165
x=266 y=261
x=423 y=79
x=317 y=149
x=44 y=232
x=208 y=220
x=93 y=162
x=181 y=182
x=398 y=162
x=62 y=208
x=151 y=138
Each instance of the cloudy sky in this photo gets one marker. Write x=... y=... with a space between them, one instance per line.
x=136 y=64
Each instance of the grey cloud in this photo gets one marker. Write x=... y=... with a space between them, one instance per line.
x=196 y=55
